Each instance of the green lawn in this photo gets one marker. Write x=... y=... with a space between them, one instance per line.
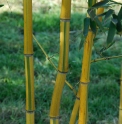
x=105 y=75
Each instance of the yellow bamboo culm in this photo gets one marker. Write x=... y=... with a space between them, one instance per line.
x=29 y=69
x=84 y=77
x=84 y=80
x=120 y=106
x=75 y=110
x=63 y=61
x=100 y=11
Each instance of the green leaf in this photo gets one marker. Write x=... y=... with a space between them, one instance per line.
x=96 y=39
x=114 y=21
x=119 y=26
x=111 y=33
x=93 y=16
x=117 y=21
x=108 y=15
x=99 y=24
x=86 y=26
x=91 y=2
x=93 y=26
x=103 y=14
x=120 y=14
x=100 y=4
x=81 y=42
x=92 y=13
x=1 y=5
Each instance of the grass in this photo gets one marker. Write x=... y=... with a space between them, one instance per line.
x=105 y=75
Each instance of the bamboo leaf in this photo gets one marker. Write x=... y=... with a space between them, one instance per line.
x=93 y=26
x=91 y=13
x=99 y=24
x=103 y=14
x=108 y=14
x=111 y=33
x=120 y=13
x=91 y=2
x=1 y=5
x=86 y=26
x=100 y=4
x=114 y=21
x=119 y=27
x=96 y=39
x=117 y=21
x=81 y=42
x=94 y=17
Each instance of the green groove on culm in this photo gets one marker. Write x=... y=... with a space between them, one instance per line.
x=64 y=50
x=27 y=24
x=29 y=83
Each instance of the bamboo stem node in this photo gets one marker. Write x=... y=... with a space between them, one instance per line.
x=84 y=83
x=78 y=98
x=65 y=20
x=54 y=118
x=62 y=72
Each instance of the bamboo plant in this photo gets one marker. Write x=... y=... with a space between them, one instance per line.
x=84 y=79
x=94 y=22
x=85 y=74
x=29 y=70
x=63 y=61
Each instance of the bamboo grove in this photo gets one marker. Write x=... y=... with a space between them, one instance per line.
x=93 y=24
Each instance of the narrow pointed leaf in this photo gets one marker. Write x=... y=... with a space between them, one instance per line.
x=81 y=42
x=119 y=26
x=91 y=2
x=100 y=4
x=103 y=14
x=117 y=21
x=108 y=14
x=94 y=17
x=93 y=26
x=1 y=5
x=92 y=13
x=99 y=24
x=111 y=33
x=120 y=13
x=114 y=21
x=115 y=16
x=96 y=39
x=86 y=26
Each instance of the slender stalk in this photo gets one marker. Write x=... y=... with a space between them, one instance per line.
x=29 y=70
x=75 y=110
x=106 y=58
x=120 y=106
x=63 y=61
x=84 y=79
x=48 y=58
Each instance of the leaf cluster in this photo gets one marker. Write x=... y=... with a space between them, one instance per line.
x=110 y=22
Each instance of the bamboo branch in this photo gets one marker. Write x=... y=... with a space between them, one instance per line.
x=48 y=58
x=106 y=58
